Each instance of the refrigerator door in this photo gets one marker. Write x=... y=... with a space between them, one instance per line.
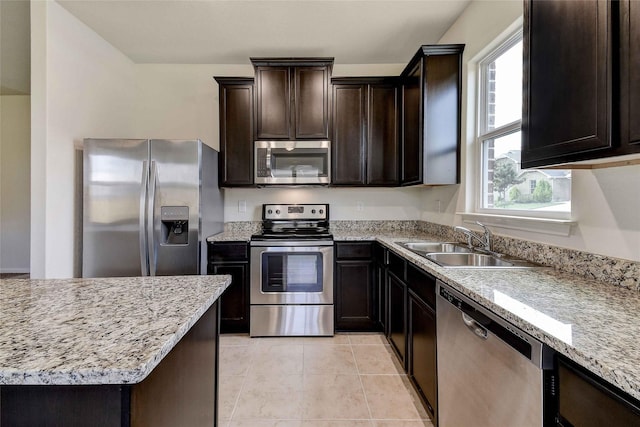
x=114 y=198
x=174 y=201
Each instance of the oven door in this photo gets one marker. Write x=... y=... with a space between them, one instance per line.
x=295 y=273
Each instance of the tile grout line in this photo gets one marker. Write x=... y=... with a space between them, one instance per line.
x=242 y=386
x=364 y=393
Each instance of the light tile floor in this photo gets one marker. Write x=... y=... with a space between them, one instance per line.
x=349 y=380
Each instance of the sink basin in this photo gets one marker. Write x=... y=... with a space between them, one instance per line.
x=477 y=260
x=431 y=247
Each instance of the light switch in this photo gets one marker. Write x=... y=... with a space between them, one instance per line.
x=242 y=206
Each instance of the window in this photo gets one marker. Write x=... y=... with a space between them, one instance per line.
x=505 y=187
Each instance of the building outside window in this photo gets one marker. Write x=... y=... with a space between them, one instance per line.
x=505 y=187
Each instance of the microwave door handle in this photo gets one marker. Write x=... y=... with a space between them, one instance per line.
x=268 y=163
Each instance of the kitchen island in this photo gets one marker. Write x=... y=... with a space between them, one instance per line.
x=111 y=351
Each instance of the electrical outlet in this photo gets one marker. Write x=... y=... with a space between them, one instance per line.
x=359 y=206
x=242 y=206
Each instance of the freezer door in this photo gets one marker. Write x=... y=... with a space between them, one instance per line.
x=174 y=201
x=114 y=177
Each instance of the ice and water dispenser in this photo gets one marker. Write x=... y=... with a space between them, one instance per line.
x=175 y=225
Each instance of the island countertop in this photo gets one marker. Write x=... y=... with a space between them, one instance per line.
x=96 y=331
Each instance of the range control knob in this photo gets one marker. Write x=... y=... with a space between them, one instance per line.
x=277 y=211
x=313 y=211
x=269 y=211
x=321 y=211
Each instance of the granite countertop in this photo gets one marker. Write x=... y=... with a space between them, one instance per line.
x=96 y=331
x=591 y=323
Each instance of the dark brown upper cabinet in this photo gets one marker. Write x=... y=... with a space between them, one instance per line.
x=579 y=91
x=365 y=149
x=236 y=131
x=430 y=124
x=629 y=75
x=292 y=98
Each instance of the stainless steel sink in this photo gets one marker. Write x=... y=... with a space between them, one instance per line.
x=423 y=248
x=477 y=260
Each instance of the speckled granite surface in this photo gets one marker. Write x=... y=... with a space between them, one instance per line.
x=592 y=323
x=570 y=305
x=237 y=231
x=96 y=331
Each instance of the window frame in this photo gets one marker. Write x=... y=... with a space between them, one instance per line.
x=483 y=134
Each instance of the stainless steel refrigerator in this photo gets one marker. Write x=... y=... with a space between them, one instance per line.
x=148 y=206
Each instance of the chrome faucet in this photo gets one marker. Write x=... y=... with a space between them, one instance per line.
x=485 y=240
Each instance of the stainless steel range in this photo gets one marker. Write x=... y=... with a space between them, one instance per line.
x=292 y=272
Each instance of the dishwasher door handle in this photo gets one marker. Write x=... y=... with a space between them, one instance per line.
x=475 y=327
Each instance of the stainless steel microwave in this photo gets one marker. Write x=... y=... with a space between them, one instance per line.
x=292 y=162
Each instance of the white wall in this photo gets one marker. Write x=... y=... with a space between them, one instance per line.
x=346 y=203
x=81 y=87
x=605 y=202
x=15 y=142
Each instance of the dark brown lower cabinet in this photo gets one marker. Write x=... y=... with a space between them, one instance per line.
x=411 y=326
x=397 y=320
x=181 y=390
x=587 y=401
x=232 y=258
x=234 y=303
x=380 y=256
x=422 y=350
x=355 y=292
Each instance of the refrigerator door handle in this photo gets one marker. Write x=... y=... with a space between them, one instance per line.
x=144 y=254
x=153 y=256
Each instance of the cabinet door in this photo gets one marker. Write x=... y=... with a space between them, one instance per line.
x=382 y=141
x=422 y=350
x=234 y=302
x=411 y=160
x=586 y=400
x=397 y=316
x=441 y=142
x=273 y=102
x=567 y=90
x=629 y=76
x=355 y=299
x=311 y=102
x=349 y=141
x=236 y=133
x=382 y=292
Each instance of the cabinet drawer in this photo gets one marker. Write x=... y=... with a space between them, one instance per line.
x=422 y=284
x=397 y=266
x=228 y=251
x=354 y=250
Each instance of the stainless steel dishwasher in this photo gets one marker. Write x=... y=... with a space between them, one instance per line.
x=489 y=372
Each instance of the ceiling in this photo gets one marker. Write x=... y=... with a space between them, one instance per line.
x=232 y=31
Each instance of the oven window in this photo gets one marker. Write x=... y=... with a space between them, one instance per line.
x=292 y=272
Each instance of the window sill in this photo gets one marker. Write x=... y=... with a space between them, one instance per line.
x=557 y=227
